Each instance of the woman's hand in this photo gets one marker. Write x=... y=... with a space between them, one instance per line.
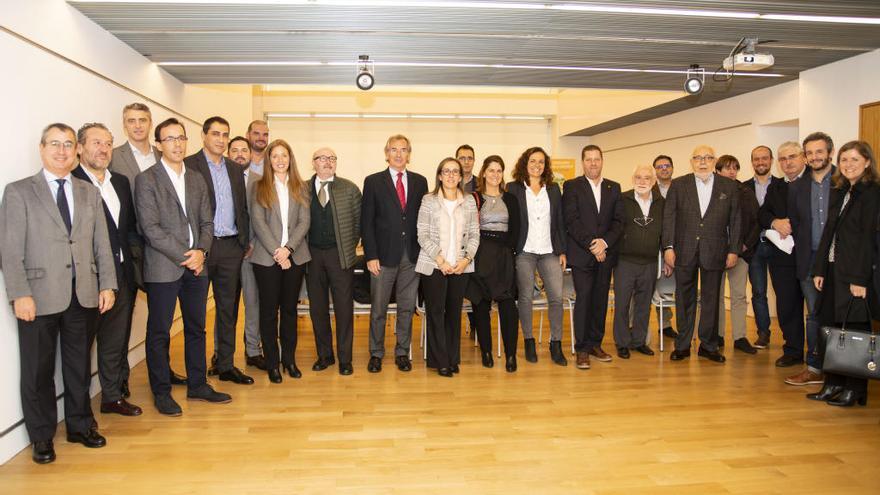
x=460 y=266
x=280 y=254
x=858 y=291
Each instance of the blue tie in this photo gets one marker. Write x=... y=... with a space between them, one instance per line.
x=61 y=199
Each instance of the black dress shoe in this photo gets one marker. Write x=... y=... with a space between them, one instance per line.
x=403 y=363
x=126 y=393
x=293 y=371
x=235 y=375
x=644 y=349
x=488 y=362
x=680 y=355
x=715 y=355
x=828 y=392
x=91 y=439
x=208 y=394
x=623 y=353
x=275 y=375
x=166 y=405
x=345 y=369
x=323 y=363
x=849 y=398
x=788 y=360
x=669 y=333
x=743 y=345
x=531 y=352
x=121 y=407
x=720 y=341
x=447 y=372
x=43 y=452
x=510 y=364
x=375 y=364
x=455 y=368
x=258 y=361
x=177 y=379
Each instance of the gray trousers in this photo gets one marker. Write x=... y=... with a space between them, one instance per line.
x=407 y=281
x=251 y=310
x=633 y=290
x=551 y=272
x=737 y=278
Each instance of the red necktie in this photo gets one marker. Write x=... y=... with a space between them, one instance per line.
x=401 y=193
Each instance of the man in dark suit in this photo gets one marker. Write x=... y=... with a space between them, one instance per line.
x=58 y=268
x=389 y=211
x=701 y=234
x=594 y=219
x=175 y=216
x=226 y=190
x=113 y=328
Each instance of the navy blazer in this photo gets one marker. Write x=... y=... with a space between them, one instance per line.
x=199 y=163
x=385 y=227
x=800 y=214
x=585 y=222
x=557 y=220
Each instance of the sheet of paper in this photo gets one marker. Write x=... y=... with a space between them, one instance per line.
x=786 y=245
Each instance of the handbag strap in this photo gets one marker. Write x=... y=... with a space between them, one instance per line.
x=849 y=307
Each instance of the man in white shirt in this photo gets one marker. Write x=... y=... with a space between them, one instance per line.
x=137 y=154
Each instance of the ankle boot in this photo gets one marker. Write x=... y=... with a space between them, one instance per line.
x=510 y=366
x=556 y=353
x=488 y=362
x=848 y=398
x=827 y=393
x=531 y=352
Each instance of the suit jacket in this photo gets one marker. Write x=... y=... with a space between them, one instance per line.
x=585 y=222
x=37 y=250
x=166 y=223
x=124 y=235
x=557 y=219
x=123 y=162
x=750 y=183
x=197 y=162
x=267 y=228
x=385 y=227
x=751 y=231
x=800 y=214
x=776 y=206
x=706 y=240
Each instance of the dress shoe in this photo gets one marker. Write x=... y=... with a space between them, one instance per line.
x=763 y=341
x=599 y=354
x=715 y=355
x=208 y=394
x=213 y=371
x=644 y=349
x=787 y=360
x=43 y=452
x=583 y=360
x=669 y=332
x=258 y=361
x=743 y=345
x=235 y=375
x=680 y=355
x=91 y=439
x=455 y=368
x=531 y=352
x=177 y=379
x=488 y=362
x=323 y=363
x=447 y=372
x=293 y=371
x=375 y=364
x=720 y=341
x=274 y=375
x=849 y=398
x=345 y=369
x=556 y=354
x=166 y=405
x=121 y=407
x=623 y=353
x=828 y=392
x=126 y=393
x=403 y=363
x=510 y=364
x=805 y=377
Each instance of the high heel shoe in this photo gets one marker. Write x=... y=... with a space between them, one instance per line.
x=293 y=371
x=488 y=362
x=827 y=393
x=848 y=398
x=274 y=375
x=510 y=365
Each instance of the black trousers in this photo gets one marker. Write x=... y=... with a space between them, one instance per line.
x=789 y=307
x=443 y=300
x=591 y=305
x=509 y=324
x=326 y=276
x=279 y=290
x=162 y=297
x=113 y=331
x=832 y=293
x=224 y=270
x=37 y=343
x=686 y=305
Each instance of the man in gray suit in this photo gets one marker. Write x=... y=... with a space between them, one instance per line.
x=701 y=234
x=135 y=155
x=58 y=267
x=175 y=217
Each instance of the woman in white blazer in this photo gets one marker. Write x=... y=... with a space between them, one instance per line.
x=449 y=235
x=279 y=210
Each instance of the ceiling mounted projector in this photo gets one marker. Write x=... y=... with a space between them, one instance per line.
x=745 y=57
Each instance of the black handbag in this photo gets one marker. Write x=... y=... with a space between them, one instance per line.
x=851 y=353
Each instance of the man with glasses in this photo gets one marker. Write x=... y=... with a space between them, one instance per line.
x=701 y=236
x=663 y=169
x=466 y=157
x=334 y=233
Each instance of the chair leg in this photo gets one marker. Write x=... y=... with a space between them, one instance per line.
x=498 y=331
x=660 y=327
x=541 y=327
x=571 y=323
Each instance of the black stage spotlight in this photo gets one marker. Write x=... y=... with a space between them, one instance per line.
x=364 y=79
x=695 y=80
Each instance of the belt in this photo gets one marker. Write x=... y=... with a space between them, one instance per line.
x=225 y=237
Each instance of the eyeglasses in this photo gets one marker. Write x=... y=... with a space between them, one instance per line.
x=173 y=139
x=465 y=158
x=325 y=159
x=450 y=172
x=67 y=145
x=703 y=158
x=663 y=166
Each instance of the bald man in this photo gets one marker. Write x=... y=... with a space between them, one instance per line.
x=701 y=236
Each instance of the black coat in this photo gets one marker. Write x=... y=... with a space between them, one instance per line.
x=751 y=231
x=800 y=213
x=557 y=221
x=198 y=163
x=584 y=222
x=385 y=227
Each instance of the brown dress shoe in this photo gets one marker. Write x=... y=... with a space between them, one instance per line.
x=805 y=377
x=583 y=360
x=599 y=354
x=122 y=407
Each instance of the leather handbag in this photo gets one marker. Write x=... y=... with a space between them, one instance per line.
x=852 y=353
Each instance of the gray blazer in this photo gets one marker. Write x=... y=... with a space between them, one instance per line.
x=432 y=222
x=123 y=162
x=37 y=249
x=164 y=224
x=266 y=224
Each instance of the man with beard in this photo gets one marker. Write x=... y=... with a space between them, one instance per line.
x=258 y=139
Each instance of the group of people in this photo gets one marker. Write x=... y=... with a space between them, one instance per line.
x=98 y=223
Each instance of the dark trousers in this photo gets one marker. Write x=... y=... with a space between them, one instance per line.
x=509 y=317
x=591 y=286
x=633 y=289
x=326 y=276
x=686 y=305
x=192 y=293
x=789 y=307
x=113 y=331
x=443 y=300
x=758 y=278
x=224 y=270
x=37 y=341
x=279 y=290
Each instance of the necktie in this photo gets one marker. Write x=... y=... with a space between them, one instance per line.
x=401 y=193
x=61 y=199
x=322 y=194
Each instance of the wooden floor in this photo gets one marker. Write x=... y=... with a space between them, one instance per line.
x=646 y=425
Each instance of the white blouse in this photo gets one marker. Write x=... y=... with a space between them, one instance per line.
x=283 y=205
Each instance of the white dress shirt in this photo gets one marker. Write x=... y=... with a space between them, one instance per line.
x=451 y=252
x=597 y=191
x=704 y=192
x=68 y=190
x=538 y=206
x=144 y=161
x=644 y=204
x=283 y=205
x=318 y=183
x=394 y=182
x=179 y=183
x=108 y=194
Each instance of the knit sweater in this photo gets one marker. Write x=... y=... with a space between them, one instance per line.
x=345 y=205
x=641 y=237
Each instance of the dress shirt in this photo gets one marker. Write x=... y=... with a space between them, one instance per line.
x=68 y=189
x=644 y=204
x=761 y=190
x=144 y=161
x=538 y=206
x=663 y=189
x=450 y=253
x=257 y=167
x=179 y=183
x=597 y=191
x=318 y=183
x=820 y=195
x=224 y=214
x=704 y=192
x=394 y=182
x=283 y=204
x=108 y=194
